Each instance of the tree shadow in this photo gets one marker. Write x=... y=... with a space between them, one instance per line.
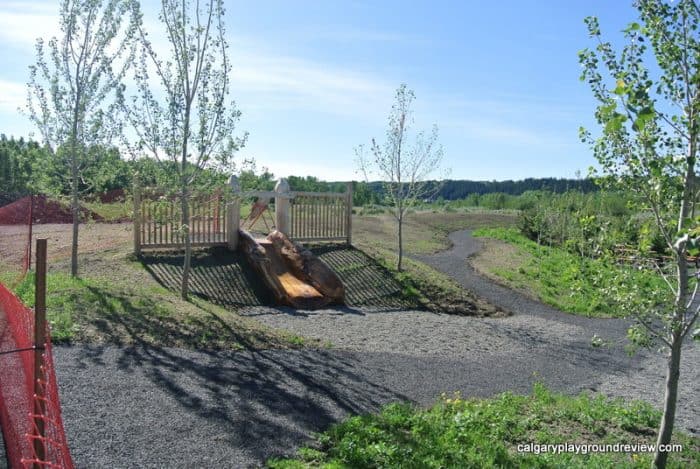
x=218 y=275
x=224 y=278
x=259 y=403
x=367 y=283
x=125 y=320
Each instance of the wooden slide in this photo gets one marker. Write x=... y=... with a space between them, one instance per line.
x=294 y=275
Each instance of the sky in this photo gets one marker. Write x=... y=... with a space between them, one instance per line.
x=316 y=78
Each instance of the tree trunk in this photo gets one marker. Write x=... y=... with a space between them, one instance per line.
x=676 y=336
x=185 y=286
x=399 y=265
x=670 y=399
x=75 y=209
x=306 y=266
x=75 y=202
x=185 y=199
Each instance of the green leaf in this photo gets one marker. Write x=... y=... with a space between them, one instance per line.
x=645 y=115
x=632 y=27
x=615 y=122
x=620 y=89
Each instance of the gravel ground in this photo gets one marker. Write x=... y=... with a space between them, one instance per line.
x=153 y=407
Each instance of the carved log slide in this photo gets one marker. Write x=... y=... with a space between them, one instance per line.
x=294 y=275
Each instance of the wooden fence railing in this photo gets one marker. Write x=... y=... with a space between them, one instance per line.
x=320 y=217
x=158 y=222
x=214 y=221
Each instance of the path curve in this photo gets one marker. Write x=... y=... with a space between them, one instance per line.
x=155 y=407
x=454 y=262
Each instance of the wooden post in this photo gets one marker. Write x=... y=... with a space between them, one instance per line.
x=39 y=343
x=137 y=215
x=348 y=212
x=282 y=206
x=233 y=213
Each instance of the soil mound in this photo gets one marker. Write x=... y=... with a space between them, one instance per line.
x=45 y=210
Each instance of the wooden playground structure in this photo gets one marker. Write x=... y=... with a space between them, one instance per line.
x=291 y=272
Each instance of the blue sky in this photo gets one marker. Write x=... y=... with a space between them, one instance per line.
x=314 y=79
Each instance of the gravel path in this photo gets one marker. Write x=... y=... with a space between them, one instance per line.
x=152 y=407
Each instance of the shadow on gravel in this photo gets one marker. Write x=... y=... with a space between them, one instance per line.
x=224 y=278
x=218 y=275
x=261 y=404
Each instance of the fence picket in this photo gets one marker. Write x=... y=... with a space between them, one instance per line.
x=313 y=216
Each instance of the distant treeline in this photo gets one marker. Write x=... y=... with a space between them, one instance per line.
x=28 y=167
x=460 y=189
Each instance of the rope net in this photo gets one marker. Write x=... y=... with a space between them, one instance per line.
x=22 y=410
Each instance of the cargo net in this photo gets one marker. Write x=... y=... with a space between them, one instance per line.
x=24 y=408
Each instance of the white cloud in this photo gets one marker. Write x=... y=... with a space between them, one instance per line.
x=503 y=133
x=12 y=96
x=21 y=23
x=274 y=82
x=264 y=81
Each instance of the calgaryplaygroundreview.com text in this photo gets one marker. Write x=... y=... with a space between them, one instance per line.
x=537 y=448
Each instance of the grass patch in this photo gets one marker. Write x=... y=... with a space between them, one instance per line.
x=117 y=301
x=112 y=212
x=566 y=281
x=431 y=289
x=459 y=432
x=426 y=232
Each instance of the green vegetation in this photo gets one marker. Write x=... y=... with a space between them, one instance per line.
x=120 y=303
x=567 y=281
x=433 y=290
x=111 y=212
x=426 y=233
x=486 y=433
x=27 y=166
x=649 y=126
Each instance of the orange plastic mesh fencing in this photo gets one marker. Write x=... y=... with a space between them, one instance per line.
x=16 y=220
x=21 y=410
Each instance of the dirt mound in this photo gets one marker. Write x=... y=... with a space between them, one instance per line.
x=45 y=210
x=9 y=197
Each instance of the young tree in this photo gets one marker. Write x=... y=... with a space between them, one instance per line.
x=403 y=168
x=183 y=114
x=71 y=81
x=649 y=146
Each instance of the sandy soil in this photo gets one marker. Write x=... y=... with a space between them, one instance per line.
x=92 y=237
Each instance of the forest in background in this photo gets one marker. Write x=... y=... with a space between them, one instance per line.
x=28 y=167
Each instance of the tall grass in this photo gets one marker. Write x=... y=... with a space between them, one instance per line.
x=475 y=433
x=570 y=282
